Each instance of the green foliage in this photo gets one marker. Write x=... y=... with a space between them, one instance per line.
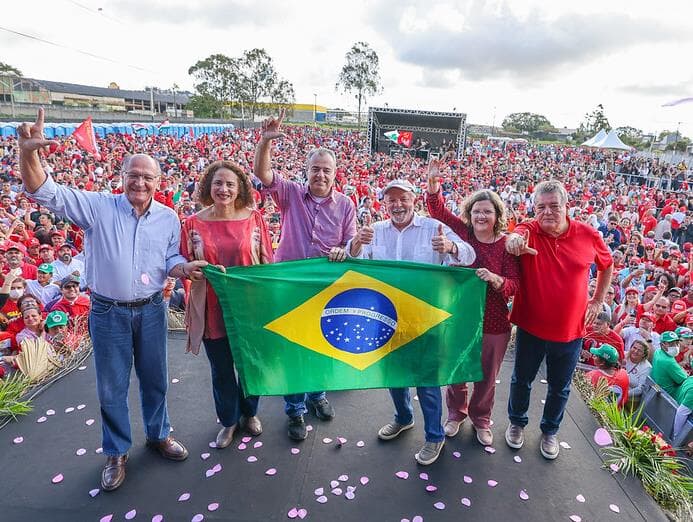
x=204 y=106
x=679 y=145
x=214 y=81
x=360 y=74
x=8 y=69
x=526 y=122
x=630 y=135
x=594 y=122
x=11 y=390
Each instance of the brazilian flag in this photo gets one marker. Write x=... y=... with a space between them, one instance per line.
x=313 y=325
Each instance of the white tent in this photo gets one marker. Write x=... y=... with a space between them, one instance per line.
x=597 y=137
x=611 y=141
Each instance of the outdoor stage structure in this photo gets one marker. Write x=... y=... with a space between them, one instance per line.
x=429 y=126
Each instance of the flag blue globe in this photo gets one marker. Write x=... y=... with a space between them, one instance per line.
x=358 y=320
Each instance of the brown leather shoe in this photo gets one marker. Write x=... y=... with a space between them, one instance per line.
x=252 y=425
x=169 y=448
x=113 y=473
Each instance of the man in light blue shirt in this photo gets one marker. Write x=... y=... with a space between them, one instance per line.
x=132 y=244
x=407 y=236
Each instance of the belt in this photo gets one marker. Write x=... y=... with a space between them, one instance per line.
x=126 y=304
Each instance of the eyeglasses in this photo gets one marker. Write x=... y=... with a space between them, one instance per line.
x=147 y=178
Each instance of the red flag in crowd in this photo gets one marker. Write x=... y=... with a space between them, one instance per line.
x=85 y=138
x=405 y=138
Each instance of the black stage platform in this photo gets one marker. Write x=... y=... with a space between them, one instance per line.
x=245 y=490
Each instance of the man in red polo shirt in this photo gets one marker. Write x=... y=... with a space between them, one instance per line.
x=663 y=322
x=552 y=308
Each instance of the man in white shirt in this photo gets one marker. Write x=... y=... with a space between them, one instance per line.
x=42 y=288
x=65 y=264
x=407 y=236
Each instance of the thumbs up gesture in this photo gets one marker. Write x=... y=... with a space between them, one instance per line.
x=365 y=234
x=440 y=243
x=518 y=244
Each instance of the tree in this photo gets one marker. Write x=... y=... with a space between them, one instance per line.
x=203 y=106
x=526 y=122
x=630 y=135
x=8 y=69
x=360 y=73
x=594 y=122
x=214 y=81
x=282 y=95
x=680 y=144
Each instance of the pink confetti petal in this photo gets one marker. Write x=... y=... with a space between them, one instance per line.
x=466 y=502
x=326 y=440
x=614 y=468
x=41 y=419
x=614 y=508
x=517 y=459
x=212 y=444
x=81 y=368
x=295 y=451
x=80 y=452
x=252 y=458
x=456 y=454
x=184 y=497
x=174 y=381
x=131 y=514
x=489 y=449
x=158 y=518
x=431 y=488
x=107 y=518
x=423 y=476
x=402 y=475
x=360 y=444
x=18 y=440
x=334 y=484
x=524 y=495
x=351 y=488
x=81 y=406
x=467 y=479
x=209 y=473
x=309 y=427
x=69 y=410
x=242 y=446
x=246 y=439
x=544 y=381
x=321 y=499
x=349 y=495
x=50 y=412
x=564 y=445
x=417 y=518
x=58 y=478
x=341 y=440
x=492 y=483
x=580 y=498
x=302 y=513
x=89 y=422
x=343 y=478
x=364 y=480
x=197 y=518
x=293 y=513
x=319 y=491
x=602 y=437
x=575 y=518
x=216 y=468
x=439 y=505
x=258 y=444
x=271 y=472
x=98 y=451
x=94 y=492
x=213 y=506
x=204 y=456
x=337 y=491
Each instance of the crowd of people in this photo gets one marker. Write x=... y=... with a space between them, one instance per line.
x=565 y=237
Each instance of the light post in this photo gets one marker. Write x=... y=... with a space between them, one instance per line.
x=175 y=107
x=315 y=108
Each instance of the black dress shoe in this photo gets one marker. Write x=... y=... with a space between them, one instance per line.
x=113 y=473
x=297 y=428
x=323 y=409
x=169 y=448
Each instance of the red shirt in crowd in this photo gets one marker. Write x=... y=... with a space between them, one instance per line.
x=664 y=324
x=79 y=307
x=552 y=300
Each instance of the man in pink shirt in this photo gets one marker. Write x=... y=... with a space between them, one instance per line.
x=316 y=221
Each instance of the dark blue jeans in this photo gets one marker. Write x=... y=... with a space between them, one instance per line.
x=295 y=404
x=561 y=359
x=122 y=336
x=431 y=402
x=230 y=401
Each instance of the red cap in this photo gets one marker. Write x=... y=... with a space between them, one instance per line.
x=9 y=245
x=675 y=253
x=651 y=288
x=678 y=306
x=650 y=316
x=33 y=242
x=632 y=290
x=687 y=246
x=635 y=259
x=45 y=247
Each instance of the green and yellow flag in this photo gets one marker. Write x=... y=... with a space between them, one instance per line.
x=314 y=325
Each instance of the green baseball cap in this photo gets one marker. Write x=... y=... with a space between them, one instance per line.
x=606 y=352
x=56 y=318
x=46 y=268
x=668 y=337
x=684 y=332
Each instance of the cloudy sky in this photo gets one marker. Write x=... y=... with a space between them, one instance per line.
x=485 y=58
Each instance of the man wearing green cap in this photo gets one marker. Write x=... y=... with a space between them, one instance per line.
x=606 y=359
x=42 y=287
x=665 y=370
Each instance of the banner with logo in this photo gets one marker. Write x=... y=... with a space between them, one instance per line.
x=313 y=325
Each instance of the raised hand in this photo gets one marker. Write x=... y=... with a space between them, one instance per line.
x=518 y=244
x=434 y=176
x=440 y=243
x=365 y=234
x=31 y=138
x=271 y=127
